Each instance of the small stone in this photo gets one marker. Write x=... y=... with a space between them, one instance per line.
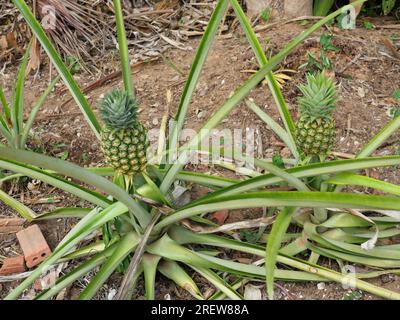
x=361 y=92
x=321 y=286
x=387 y=278
x=285 y=153
x=200 y=115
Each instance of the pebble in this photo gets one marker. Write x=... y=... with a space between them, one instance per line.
x=200 y=114
x=361 y=92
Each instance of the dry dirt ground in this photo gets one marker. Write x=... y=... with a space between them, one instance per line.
x=367 y=71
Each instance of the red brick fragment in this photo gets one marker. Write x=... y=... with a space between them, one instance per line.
x=13 y=265
x=220 y=216
x=34 y=245
x=11 y=222
x=10 y=229
x=11 y=225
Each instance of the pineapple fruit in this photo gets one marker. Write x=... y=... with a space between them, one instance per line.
x=123 y=139
x=315 y=129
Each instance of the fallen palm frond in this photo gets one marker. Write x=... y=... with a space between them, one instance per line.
x=68 y=20
x=86 y=28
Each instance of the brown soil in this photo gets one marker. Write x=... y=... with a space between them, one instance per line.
x=365 y=68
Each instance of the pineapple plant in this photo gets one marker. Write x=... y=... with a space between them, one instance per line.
x=315 y=129
x=124 y=138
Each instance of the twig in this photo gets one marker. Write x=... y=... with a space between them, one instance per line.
x=62 y=115
x=164 y=209
x=391 y=48
x=101 y=82
x=389 y=26
x=255 y=223
x=147 y=13
x=271 y=25
x=343 y=155
x=170 y=63
x=350 y=63
x=15 y=277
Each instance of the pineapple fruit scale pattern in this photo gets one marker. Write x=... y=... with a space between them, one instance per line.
x=124 y=138
x=315 y=129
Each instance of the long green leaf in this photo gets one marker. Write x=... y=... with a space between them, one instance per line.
x=312 y=170
x=340 y=278
x=195 y=71
x=23 y=210
x=379 y=138
x=239 y=95
x=272 y=83
x=347 y=220
x=173 y=271
x=377 y=252
x=80 y=174
x=273 y=125
x=58 y=182
x=86 y=226
x=322 y=7
x=362 y=260
x=314 y=270
x=64 y=213
x=59 y=65
x=197 y=177
x=17 y=111
x=77 y=273
x=5 y=117
x=351 y=179
x=284 y=199
x=278 y=231
x=150 y=263
x=6 y=107
x=5 y=131
x=125 y=246
x=89 y=250
x=35 y=110
x=123 y=48
x=218 y=282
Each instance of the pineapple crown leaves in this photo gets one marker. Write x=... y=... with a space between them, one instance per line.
x=319 y=97
x=118 y=110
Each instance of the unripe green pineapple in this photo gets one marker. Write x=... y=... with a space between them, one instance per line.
x=124 y=139
x=315 y=129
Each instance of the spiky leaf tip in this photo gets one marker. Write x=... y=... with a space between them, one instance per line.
x=118 y=110
x=319 y=97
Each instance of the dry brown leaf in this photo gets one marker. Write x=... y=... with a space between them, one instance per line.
x=256 y=223
x=34 y=57
x=3 y=43
x=12 y=42
x=166 y=4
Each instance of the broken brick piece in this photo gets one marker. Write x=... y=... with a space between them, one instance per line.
x=34 y=245
x=12 y=266
x=220 y=216
x=4 y=222
x=11 y=225
x=10 y=229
